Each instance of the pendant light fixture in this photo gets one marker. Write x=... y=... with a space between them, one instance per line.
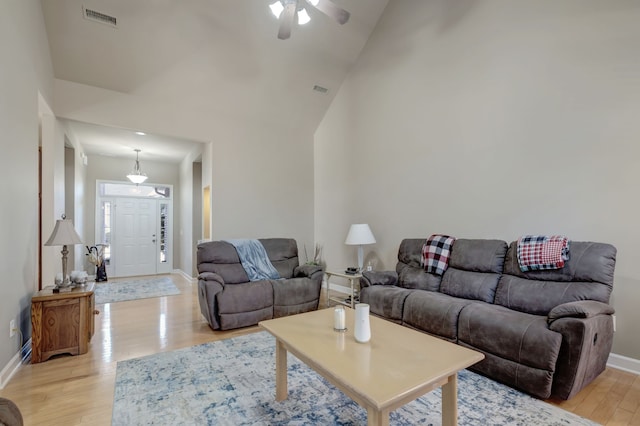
x=137 y=176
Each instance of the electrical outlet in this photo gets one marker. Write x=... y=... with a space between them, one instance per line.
x=12 y=328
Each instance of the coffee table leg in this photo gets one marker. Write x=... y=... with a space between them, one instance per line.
x=281 y=371
x=377 y=418
x=450 y=401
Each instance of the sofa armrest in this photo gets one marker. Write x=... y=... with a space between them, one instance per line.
x=303 y=271
x=209 y=285
x=587 y=337
x=371 y=278
x=211 y=276
x=579 y=309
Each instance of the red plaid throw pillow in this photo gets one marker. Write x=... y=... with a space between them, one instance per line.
x=542 y=252
x=436 y=252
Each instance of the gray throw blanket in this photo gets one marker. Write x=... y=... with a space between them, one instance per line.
x=254 y=260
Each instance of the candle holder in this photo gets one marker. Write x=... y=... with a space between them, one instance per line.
x=339 y=319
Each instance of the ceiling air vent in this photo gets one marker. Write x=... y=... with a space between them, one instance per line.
x=320 y=89
x=96 y=16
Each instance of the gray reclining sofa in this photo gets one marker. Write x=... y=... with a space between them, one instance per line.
x=546 y=332
x=229 y=300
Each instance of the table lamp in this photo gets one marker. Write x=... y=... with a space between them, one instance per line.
x=63 y=235
x=360 y=234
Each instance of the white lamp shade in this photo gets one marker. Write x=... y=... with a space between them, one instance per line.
x=63 y=234
x=359 y=234
x=137 y=177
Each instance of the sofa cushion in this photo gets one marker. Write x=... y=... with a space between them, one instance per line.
x=417 y=278
x=221 y=257
x=410 y=252
x=411 y=273
x=474 y=269
x=385 y=301
x=435 y=313
x=587 y=275
x=516 y=336
x=295 y=291
x=242 y=305
x=478 y=255
x=245 y=319
x=250 y=296
x=534 y=381
x=283 y=254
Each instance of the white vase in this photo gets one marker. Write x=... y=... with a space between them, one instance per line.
x=362 y=329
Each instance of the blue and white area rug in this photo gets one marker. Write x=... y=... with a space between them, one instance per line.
x=134 y=289
x=232 y=382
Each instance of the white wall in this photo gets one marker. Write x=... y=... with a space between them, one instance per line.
x=74 y=195
x=53 y=192
x=197 y=217
x=262 y=186
x=26 y=70
x=184 y=259
x=261 y=176
x=490 y=119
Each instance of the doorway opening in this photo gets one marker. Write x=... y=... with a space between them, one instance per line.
x=135 y=223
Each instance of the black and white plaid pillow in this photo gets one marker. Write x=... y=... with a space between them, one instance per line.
x=436 y=252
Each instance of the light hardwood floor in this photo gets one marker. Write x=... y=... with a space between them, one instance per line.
x=78 y=390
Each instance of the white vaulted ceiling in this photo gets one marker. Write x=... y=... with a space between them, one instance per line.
x=221 y=56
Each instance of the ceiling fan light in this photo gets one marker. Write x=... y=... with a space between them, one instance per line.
x=303 y=17
x=276 y=8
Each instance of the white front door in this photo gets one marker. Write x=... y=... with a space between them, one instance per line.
x=135 y=252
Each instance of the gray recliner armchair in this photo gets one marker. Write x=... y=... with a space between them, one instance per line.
x=9 y=413
x=229 y=300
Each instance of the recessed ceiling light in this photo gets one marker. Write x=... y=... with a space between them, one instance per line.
x=140 y=133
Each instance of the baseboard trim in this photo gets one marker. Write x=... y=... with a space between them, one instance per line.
x=630 y=365
x=14 y=364
x=184 y=275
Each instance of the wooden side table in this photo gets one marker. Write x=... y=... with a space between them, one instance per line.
x=352 y=278
x=61 y=322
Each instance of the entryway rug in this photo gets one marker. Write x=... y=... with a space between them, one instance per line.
x=134 y=289
x=232 y=382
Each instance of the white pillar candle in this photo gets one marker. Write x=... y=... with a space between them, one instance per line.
x=339 y=320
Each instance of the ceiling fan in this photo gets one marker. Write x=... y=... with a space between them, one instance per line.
x=286 y=10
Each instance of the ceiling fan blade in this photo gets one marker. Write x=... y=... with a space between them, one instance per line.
x=330 y=9
x=286 y=20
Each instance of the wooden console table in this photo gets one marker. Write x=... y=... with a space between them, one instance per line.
x=61 y=322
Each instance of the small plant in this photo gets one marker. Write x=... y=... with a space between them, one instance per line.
x=317 y=256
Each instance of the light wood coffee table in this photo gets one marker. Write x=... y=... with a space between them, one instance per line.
x=394 y=368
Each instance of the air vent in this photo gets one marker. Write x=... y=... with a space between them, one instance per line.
x=320 y=89
x=96 y=16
